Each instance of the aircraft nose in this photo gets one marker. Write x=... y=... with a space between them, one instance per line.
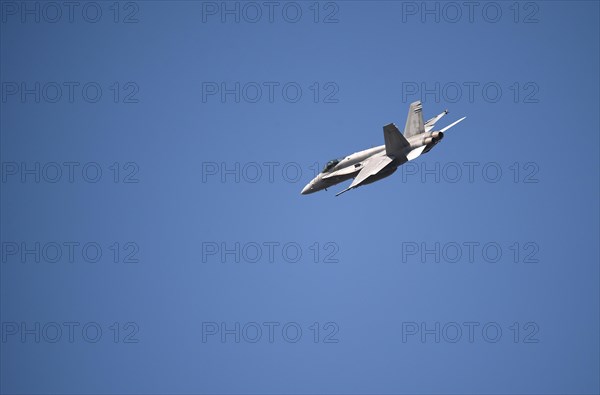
x=307 y=189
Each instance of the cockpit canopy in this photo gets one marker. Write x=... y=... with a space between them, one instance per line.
x=330 y=165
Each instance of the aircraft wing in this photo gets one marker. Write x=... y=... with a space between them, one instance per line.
x=371 y=167
x=414 y=120
x=342 y=172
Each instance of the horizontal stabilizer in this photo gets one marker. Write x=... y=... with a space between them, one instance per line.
x=395 y=142
x=430 y=124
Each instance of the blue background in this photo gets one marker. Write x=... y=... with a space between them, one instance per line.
x=371 y=292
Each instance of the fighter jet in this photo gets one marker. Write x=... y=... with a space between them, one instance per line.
x=376 y=163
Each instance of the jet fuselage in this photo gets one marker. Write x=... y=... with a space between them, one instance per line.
x=375 y=163
x=342 y=171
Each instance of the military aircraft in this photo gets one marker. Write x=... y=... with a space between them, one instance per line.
x=376 y=163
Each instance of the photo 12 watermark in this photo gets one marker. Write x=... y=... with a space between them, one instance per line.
x=437 y=332
x=73 y=332
x=469 y=252
x=69 y=172
x=488 y=12
x=228 y=92
x=527 y=92
x=69 y=12
x=52 y=92
x=72 y=252
x=270 y=332
x=272 y=252
x=470 y=172
x=270 y=12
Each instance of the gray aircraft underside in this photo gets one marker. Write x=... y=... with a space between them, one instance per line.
x=375 y=163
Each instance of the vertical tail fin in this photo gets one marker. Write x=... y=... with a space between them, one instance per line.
x=414 y=121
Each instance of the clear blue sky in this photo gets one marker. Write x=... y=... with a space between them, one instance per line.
x=473 y=269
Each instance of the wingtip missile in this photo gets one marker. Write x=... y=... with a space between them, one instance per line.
x=345 y=190
x=452 y=124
